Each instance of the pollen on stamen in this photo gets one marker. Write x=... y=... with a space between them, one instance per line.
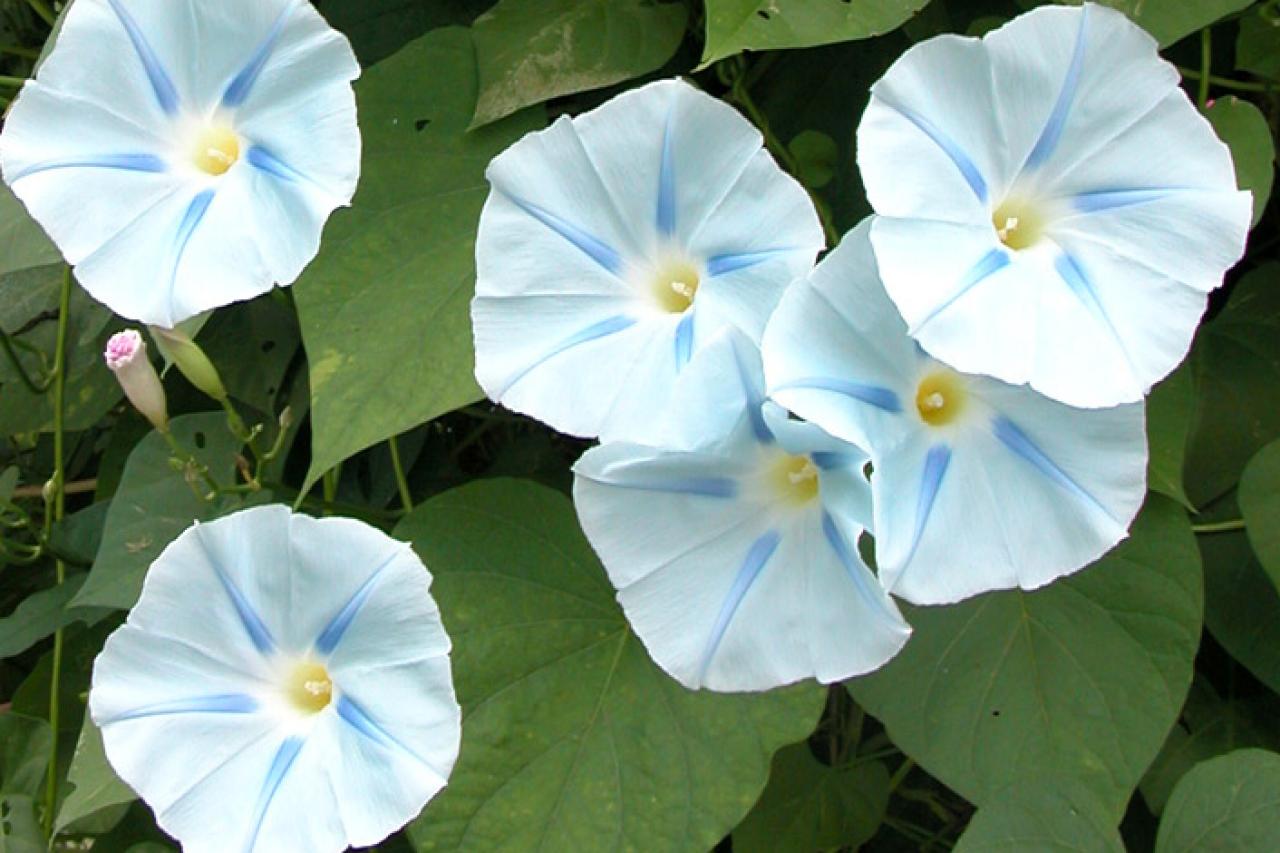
x=675 y=286
x=216 y=150
x=1018 y=224
x=794 y=479
x=941 y=397
x=309 y=688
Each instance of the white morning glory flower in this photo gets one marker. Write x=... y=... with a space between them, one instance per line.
x=615 y=244
x=977 y=485
x=1053 y=209
x=738 y=565
x=185 y=154
x=283 y=684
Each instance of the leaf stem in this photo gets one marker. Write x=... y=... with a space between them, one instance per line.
x=401 y=482
x=1206 y=64
x=31 y=384
x=1219 y=526
x=1227 y=82
x=901 y=773
x=42 y=9
x=15 y=82
x=55 y=508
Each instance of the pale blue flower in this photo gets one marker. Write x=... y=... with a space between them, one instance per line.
x=977 y=485
x=737 y=565
x=615 y=244
x=283 y=684
x=185 y=154
x=1053 y=209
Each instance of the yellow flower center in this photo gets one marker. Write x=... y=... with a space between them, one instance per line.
x=675 y=285
x=309 y=688
x=794 y=479
x=216 y=149
x=1018 y=223
x=941 y=398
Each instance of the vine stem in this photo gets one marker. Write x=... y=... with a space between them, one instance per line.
x=1206 y=62
x=1227 y=82
x=1219 y=526
x=42 y=9
x=55 y=509
x=402 y=482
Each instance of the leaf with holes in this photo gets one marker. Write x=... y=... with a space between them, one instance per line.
x=1229 y=803
x=385 y=307
x=574 y=739
x=253 y=344
x=154 y=504
x=1080 y=680
x=530 y=51
x=737 y=25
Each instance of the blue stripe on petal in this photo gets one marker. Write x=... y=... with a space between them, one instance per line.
x=360 y=720
x=852 y=564
x=332 y=633
x=684 y=340
x=242 y=84
x=190 y=221
x=761 y=550
x=873 y=395
x=122 y=162
x=1076 y=278
x=264 y=160
x=988 y=265
x=280 y=765
x=830 y=460
x=963 y=162
x=1012 y=437
x=161 y=83
x=703 y=487
x=1092 y=202
x=1052 y=133
x=935 y=468
x=257 y=630
x=604 y=328
x=722 y=264
x=226 y=703
x=755 y=400
x=667 y=180
x=590 y=245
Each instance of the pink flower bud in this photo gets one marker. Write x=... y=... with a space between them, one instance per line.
x=126 y=355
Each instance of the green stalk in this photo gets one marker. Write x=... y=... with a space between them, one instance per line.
x=401 y=482
x=1206 y=63
x=55 y=509
x=42 y=9
x=1219 y=526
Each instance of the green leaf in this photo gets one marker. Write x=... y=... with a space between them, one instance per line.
x=574 y=739
x=25 y=743
x=385 y=307
x=1210 y=726
x=252 y=345
x=1170 y=409
x=737 y=25
x=154 y=504
x=811 y=806
x=1244 y=129
x=23 y=243
x=1042 y=814
x=1241 y=605
x=1229 y=803
x=19 y=829
x=1260 y=504
x=1236 y=367
x=378 y=28
x=95 y=786
x=38 y=616
x=530 y=51
x=816 y=156
x=1258 y=45
x=1081 y=679
x=29 y=313
x=1171 y=20
x=8 y=482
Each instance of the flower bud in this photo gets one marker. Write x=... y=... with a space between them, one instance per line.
x=190 y=360
x=126 y=355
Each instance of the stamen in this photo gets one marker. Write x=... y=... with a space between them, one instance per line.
x=794 y=479
x=216 y=150
x=941 y=397
x=675 y=285
x=1018 y=223
x=309 y=688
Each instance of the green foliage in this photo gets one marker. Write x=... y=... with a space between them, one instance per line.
x=1244 y=128
x=531 y=51
x=1042 y=814
x=1081 y=679
x=1229 y=803
x=1260 y=504
x=1242 y=605
x=24 y=754
x=378 y=369
x=809 y=806
x=94 y=785
x=1170 y=408
x=737 y=25
x=1258 y=44
x=574 y=739
x=23 y=243
x=1170 y=20
x=155 y=503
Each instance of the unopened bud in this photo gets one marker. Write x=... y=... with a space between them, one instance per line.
x=126 y=355
x=190 y=360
